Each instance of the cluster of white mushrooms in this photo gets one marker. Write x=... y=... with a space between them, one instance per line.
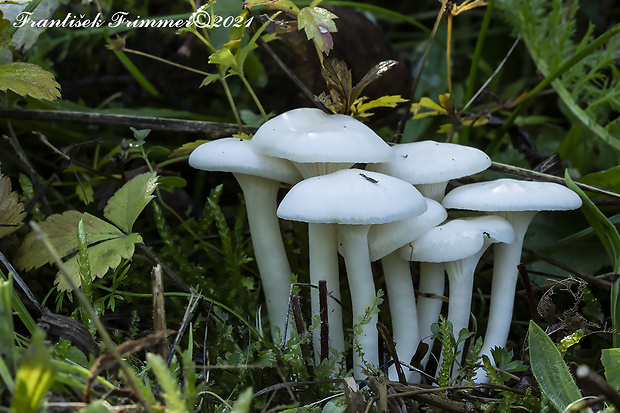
x=393 y=210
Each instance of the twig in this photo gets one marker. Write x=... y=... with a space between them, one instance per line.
x=586 y=375
x=323 y=312
x=21 y=283
x=539 y=176
x=140 y=122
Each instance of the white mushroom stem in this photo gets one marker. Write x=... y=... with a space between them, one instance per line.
x=432 y=281
x=324 y=266
x=434 y=191
x=354 y=249
x=261 y=203
x=399 y=289
x=461 y=284
x=505 y=274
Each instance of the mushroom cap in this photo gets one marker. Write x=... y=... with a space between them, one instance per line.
x=458 y=239
x=238 y=156
x=351 y=196
x=428 y=162
x=383 y=239
x=512 y=195
x=307 y=135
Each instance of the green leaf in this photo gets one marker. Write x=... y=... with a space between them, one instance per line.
x=610 y=358
x=318 y=24
x=35 y=376
x=210 y=79
x=7 y=335
x=101 y=257
x=224 y=57
x=29 y=79
x=11 y=211
x=391 y=101
x=168 y=383
x=130 y=200
x=61 y=231
x=244 y=402
x=550 y=370
x=609 y=179
x=95 y=407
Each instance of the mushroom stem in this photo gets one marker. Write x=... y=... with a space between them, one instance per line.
x=432 y=281
x=505 y=274
x=324 y=266
x=261 y=203
x=460 y=285
x=435 y=191
x=354 y=243
x=399 y=289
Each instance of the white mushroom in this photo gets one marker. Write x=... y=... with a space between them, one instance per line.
x=354 y=199
x=259 y=177
x=318 y=144
x=459 y=244
x=517 y=202
x=384 y=241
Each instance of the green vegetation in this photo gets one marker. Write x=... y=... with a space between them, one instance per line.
x=128 y=279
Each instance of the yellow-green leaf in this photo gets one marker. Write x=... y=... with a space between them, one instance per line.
x=11 y=211
x=35 y=376
x=224 y=57
x=61 y=231
x=129 y=201
x=29 y=79
x=390 y=101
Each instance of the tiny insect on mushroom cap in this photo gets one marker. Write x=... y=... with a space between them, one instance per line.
x=354 y=199
x=429 y=165
x=259 y=177
x=319 y=143
x=518 y=202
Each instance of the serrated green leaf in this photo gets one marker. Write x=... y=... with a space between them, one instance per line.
x=210 y=79
x=28 y=79
x=391 y=101
x=550 y=370
x=610 y=358
x=224 y=57
x=11 y=210
x=61 y=231
x=318 y=23
x=102 y=257
x=130 y=200
x=35 y=376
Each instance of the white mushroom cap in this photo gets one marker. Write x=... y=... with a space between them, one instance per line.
x=458 y=239
x=512 y=195
x=428 y=162
x=238 y=156
x=386 y=238
x=307 y=135
x=351 y=196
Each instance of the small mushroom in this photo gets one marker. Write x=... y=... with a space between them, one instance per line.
x=259 y=177
x=354 y=199
x=518 y=202
x=385 y=241
x=459 y=244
